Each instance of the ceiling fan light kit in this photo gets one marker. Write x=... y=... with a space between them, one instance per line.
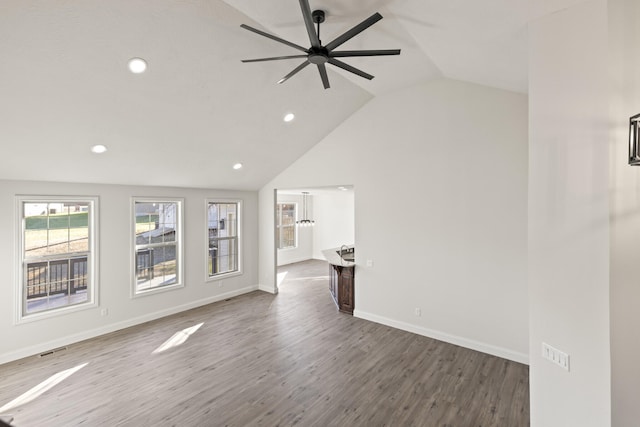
x=319 y=54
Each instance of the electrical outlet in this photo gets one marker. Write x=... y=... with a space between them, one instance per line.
x=369 y=263
x=220 y=284
x=418 y=312
x=556 y=356
x=104 y=312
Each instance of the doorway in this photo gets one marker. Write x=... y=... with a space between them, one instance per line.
x=330 y=222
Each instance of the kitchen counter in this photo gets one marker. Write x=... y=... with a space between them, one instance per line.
x=331 y=255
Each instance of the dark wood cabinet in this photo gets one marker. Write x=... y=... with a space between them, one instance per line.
x=341 y=286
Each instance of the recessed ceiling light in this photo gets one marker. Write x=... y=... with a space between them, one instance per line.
x=99 y=149
x=343 y=188
x=237 y=166
x=288 y=117
x=137 y=65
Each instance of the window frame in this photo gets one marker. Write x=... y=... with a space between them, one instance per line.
x=279 y=226
x=92 y=258
x=179 y=242
x=240 y=220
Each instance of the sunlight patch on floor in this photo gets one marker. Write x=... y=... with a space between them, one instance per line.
x=281 y=277
x=41 y=388
x=178 y=338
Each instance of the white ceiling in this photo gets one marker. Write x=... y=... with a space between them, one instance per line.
x=64 y=83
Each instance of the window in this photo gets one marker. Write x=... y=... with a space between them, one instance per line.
x=223 y=249
x=158 y=245
x=286 y=225
x=57 y=254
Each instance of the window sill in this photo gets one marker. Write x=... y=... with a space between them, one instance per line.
x=223 y=276
x=153 y=291
x=48 y=314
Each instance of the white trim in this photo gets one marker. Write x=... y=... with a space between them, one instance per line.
x=272 y=290
x=71 y=339
x=221 y=276
x=156 y=290
x=93 y=224
x=443 y=336
x=134 y=293
x=240 y=215
x=274 y=247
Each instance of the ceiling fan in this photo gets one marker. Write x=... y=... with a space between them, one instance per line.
x=320 y=55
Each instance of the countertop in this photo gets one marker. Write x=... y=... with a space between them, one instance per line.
x=332 y=256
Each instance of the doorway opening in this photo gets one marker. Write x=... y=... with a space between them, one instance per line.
x=298 y=244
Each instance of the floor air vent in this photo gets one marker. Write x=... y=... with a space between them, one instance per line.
x=50 y=352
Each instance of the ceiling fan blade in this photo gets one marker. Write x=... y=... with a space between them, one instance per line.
x=346 y=53
x=295 y=70
x=275 y=58
x=308 y=22
x=354 y=31
x=323 y=75
x=278 y=39
x=349 y=68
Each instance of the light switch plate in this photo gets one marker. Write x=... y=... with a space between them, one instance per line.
x=556 y=356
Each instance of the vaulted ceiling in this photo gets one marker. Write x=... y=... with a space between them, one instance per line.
x=65 y=86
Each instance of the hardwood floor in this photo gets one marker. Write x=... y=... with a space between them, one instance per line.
x=265 y=360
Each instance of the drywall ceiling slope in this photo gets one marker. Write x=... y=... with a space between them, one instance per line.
x=483 y=42
x=65 y=86
x=480 y=42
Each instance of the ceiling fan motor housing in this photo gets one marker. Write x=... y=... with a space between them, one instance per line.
x=318 y=55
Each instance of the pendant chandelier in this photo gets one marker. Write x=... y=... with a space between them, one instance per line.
x=305 y=221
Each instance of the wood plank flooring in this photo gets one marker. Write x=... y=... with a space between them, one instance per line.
x=265 y=360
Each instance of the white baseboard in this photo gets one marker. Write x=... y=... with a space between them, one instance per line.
x=443 y=336
x=71 y=339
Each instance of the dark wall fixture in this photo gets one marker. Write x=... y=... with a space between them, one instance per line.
x=634 y=144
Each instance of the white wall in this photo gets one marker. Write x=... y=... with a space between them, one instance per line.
x=569 y=216
x=115 y=264
x=303 y=250
x=454 y=156
x=334 y=215
x=624 y=39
